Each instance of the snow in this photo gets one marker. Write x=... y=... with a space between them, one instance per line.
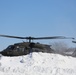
x=38 y=64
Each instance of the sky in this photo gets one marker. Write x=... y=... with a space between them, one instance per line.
x=37 y=18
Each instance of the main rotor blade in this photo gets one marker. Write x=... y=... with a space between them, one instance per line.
x=12 y=36
x=38 y=38
x=54 y=37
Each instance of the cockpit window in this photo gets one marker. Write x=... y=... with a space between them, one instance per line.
x=10 y=47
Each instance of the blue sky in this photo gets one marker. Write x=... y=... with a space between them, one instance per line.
x=37 y=18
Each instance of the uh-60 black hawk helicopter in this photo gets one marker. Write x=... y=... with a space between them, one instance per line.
x=25 y=48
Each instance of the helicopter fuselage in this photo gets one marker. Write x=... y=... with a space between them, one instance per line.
x=25 y=48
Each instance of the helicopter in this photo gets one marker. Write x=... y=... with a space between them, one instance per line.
x=25 y=48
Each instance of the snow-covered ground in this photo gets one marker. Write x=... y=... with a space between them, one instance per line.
x=38 y=64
